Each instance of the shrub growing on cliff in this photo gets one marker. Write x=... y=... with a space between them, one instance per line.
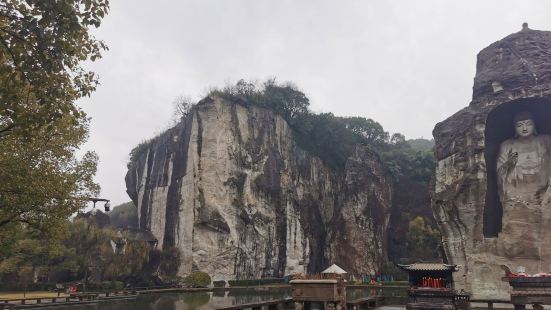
x=197 y=279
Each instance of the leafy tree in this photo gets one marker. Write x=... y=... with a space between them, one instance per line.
x=421 y=144
x=367 y=128
x=423 y=241
x=92 y=248
x=124 y=216
x=42 y=181
x=30 y=252
x=285 y=99
x=129 y=264
x=412 y=168
x=397 y=139
x=42 y=46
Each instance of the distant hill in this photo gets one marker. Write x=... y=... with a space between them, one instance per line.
x=124 y=216
x=421 y=144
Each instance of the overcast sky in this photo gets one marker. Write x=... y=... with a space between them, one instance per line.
x=406 y=64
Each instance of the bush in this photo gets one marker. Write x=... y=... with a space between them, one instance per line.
x=29 y=287
x=106 y=285
x=117 y=285
x=197 y=279
x=220 y=283
x=256 y=282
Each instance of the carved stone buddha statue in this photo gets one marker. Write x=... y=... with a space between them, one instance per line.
x=523 y=176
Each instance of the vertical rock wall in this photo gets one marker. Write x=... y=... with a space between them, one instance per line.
x=230 y=188
x=513 y=75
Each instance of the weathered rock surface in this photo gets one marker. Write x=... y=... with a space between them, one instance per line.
x=231 y=189
x=513 y=75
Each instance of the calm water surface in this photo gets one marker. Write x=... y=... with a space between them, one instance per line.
x=220 y=299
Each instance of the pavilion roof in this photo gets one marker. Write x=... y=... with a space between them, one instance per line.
x=429 y=267
x=334 y=269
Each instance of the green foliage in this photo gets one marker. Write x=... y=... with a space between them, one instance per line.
x=370 y=130
x=284 y=99
x=124 y=216
x=421 y=144
x=42 y=46
x=256 y=282
x=91 y=246
x=405 y=162
x=111 y=285
x=412 y=165
x=423 y=241
x=197 y=279
x=83 y=254
x=324 y=135
x=138 y=150
x=42 y=181
x=29 y=286
x=29 y=254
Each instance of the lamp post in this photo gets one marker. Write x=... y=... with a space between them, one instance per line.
x=106 y=206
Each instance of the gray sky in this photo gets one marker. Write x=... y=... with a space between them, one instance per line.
x=406 y=64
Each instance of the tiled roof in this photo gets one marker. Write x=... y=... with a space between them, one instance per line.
x=429 y=267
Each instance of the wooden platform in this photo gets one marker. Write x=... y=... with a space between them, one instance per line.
x=371 y=302
x=73 y=299
x=271 y=304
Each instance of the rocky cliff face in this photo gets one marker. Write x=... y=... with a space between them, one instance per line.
x=230 y=188
x=513 y=75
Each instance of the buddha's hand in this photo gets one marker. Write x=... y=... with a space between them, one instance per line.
x=512 y=159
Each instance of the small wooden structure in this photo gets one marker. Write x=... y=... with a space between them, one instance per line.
x=329 y=291
x=431 y=286
x=277 y=304
x=534 y=290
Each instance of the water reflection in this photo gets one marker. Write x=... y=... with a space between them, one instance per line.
x=224 y=298
x=197 y=300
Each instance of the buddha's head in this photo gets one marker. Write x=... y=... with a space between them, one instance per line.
x=525 y=126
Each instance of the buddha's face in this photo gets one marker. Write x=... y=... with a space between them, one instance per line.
x=525 y=128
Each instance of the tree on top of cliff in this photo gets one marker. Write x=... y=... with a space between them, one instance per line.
x=325 y=135
x=285 y=99
x=371 y=130
x=42 y=46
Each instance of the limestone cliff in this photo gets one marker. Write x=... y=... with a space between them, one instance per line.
x=513 y=75
x=231 y=189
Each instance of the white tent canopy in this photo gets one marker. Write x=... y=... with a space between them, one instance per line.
x=334 y=269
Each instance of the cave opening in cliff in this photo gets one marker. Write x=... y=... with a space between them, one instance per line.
x=499 y=127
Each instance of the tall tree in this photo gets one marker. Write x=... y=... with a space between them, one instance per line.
x=42 y=46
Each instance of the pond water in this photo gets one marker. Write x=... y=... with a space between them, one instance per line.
x=219 y=299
